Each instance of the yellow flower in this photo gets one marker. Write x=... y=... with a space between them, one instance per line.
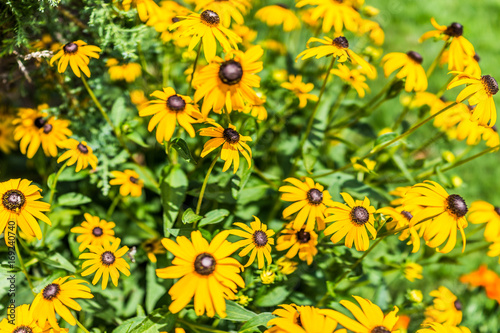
x=442 y=328
x=353 y=77
x=286 y=266
x=334 y=13
x=138 y=98
x=79 y=152
x=490 y=135
x=446 y=309
x=278 y=15
x=232 y=142
x=351 y=222
x=415 y=296
x=57 y=297
x=145 y=8
x=77 y=55
x=129 y=181
x=401 y=218
x=21 y=321
x=247 y=35
x=257 y=110
x=243 y=300
x=300 y=89
x=484 y=212
x=267 y=276
x=301 y=242
x=7 y=142
x=206 y=27
x=412 y=271
x=301 y=319
x=20 y=206
x=105 y=260
x=258 y=240
x=365 y=166
x=128 y=72
x=411 y=69
x=494 y=251
x=206 y=271
x=94 y=231
x=152 y=247
x=228 y=9
x=376 y=33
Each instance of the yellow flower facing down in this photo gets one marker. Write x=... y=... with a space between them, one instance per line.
x=145 y=8
x=58 y=296
x=299 y=242
x=412 y=271
x=373 y=29
x=334 y=13
x=206 y=28
x=20 y=204
x=7 y=143
x=105 y=260
x=78 y=152
x=77 y=55
x=286 y=266
x=353 y=78
x=491 y=136
x=207 y=273
x=352 y=222
x=278 y=15
x=258 y=241
x=446 y=308
x=440 y=328
x=232 y=142
x=153 y=247
x=227 y=10
x=129 y=181
x=300 y=89
x=256 y=110
x=484 y=212
x=128 y=72
x=94 y=231
x=302 y=319
x=411 y=69
x=21 y=321
x=138 y=98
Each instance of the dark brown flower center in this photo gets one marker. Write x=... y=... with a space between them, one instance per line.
x=230 y=72
x=51 y=291
x=47 y=128
x=204 y=264
x=415 y=56
x=260 y=238
x=341 y=42
x=497 y=210
x=133 y=180
x=97 y=231
x=176 y=103
x=39 y=122
x=175 y=20
x=70 y=48
x=231 y=136
x=23 y=329
x=477 y=57
x=454 y=30
x=303 y=236
x=380 y=329
x=407 y=215
x=457 y=305
x=13 y=200
x=210 y=18
x=359 y=215
x=108 y=258
x=494 y=128
x=315 y=196
x=490 y=84
x=456 y=205
x=83 y=148
x=282 y=5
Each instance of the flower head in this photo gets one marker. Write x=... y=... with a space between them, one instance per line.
x=412 y=271
x=286 y=266
x=258 y=240
x=484 y=212
x=301 y=319
x=130 y=182
x=299 y=242
x=411 y=69
x=401 y=218
x=227 y=10
x=482 y=277
x=446 y=309
x=353 y=78
x=153 y=247
x=22 y=321
x=335 y=13
x=77 y=55
x=278 y=15
x=78 y=152
x=300 y=89
x=434 y=327
x=94 y=231
x=7 y=142
x=267 y=276
x=128 y=72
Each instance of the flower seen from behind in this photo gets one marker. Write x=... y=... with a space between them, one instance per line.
x=258 y=241
x=353 y=78
x=77 y=55
x=78 y=152
x=130 y=182
x=411 y=69
x=279 y=15
x=94 y=231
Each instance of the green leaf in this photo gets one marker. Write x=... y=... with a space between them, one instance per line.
x=182 y=148
x=160 y=320
x=384 y=138
x=73 y=199
x=118 y=112
x=214 y=216
x=173 y=187
x=154 y=290
x=137 y=138
x=239 y=181
x=236 y=312
x=402 y=166
x=57 y=260
x=126 y=326
x=190 y=217
x=260 y=320
x=273 y=297
x=7 y=269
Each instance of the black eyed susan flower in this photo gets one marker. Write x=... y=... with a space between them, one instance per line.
x=20 y=204
x=207 y=273
x=286 y=266
x=299 y=242
x=94 y=231
x=494 y=251
x=412 y=271
x=129 y=181
x=258 y=240
x=369 y=318
x=257 y=110
x=76 y=54
x=278 y=15
x=442 y=328
x=145 y=8
x=78 y=152
x=401 y=218
x=491 y=136
x=411 y=69
x=56 y=298
x=335 y=13
x=21 y=321
x=207 y=28
x=310 y=201
x=7 y=143
x=301 y=319
x=479 y=92
x=232 y=142
x=352 y=222
x=28 y=124
x=484 y=212
x=128 y=72
x=373 y=29
x=105 y=260
x=168 y=110
x=441 y=214
x=446 y=308
x=300 y=89
x=153 y=247
x=228 y=83
x=227 y=10
x=353 y=78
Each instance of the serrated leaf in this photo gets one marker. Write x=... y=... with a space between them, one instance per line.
x=58 y=261
x=128 y=325
x=190 y=217
x=173 y=187
x=236 y=312
x=260 y=320
x=160 y=320
x=214 y=216
x=73 y=199
x=182 y=148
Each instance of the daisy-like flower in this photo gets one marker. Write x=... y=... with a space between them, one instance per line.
x=479 y=92
x=300 y=89
x=138 y=98
x=441 y=214
x=20 y=204
x=484 y=212
x=491 y=136
x=373 y=29
x=302 y=319
x=494 y=249
x=21 y=321
x=278 y=15
x=411 y=69
x=440 y=328
x=94 y=231
x=335 y=13
x=460 y=47
x=207 y=28
x=207 y=273
x=258 y=240
x=412 y=271
x=257 y=110
x=310 y=201
x=153 y=247
x=129 y=181
x=77 y=55
x=267 y=276
x=229 y=82
x=286 y=266
x=232 y=142
x=482 y=277
x=227 y=10
x=169 y=109
x=78 y=152
x=353 y=78
x=105 y=260
x=298 y=241
x=7 y=143
x=57 y=297
x=369 y=318
x=338 y=47
x=145 y=8
x=446 y=308
x=401 y=218
x=352 y=222
x=128 y=72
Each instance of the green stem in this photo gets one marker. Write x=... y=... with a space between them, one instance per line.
x=115 y=202
x=204 y=186
x=81 y=326
x=381 y=93
x=51 y=197
x=228 y=118
x=403 y=114
x=194 y=69
x=431 y=68
x=340 y=98
x=23 y=268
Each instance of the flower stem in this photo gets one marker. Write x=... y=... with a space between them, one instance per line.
x=340 y=98
x=51 y=197
x=204 y=186
x=115 y=202
x=23 y=268
x=81 y=326
x=194 y=69
x=431 y=68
